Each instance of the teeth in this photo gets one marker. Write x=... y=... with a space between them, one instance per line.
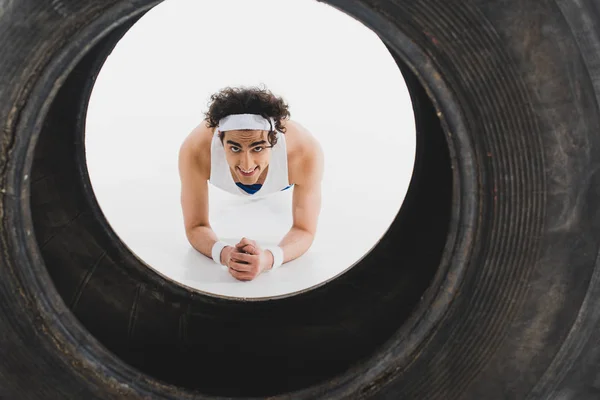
x=247 y=172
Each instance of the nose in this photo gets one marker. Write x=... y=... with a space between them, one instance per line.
x=246 y=162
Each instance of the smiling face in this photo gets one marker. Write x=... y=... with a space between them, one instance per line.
x=247 y=151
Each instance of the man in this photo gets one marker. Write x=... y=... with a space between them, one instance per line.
x=247 y=145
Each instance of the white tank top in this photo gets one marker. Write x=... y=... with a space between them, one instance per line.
x=277 y=174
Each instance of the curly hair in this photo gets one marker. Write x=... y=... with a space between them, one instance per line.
x=247 y=100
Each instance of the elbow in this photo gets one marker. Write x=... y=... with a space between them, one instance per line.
x=309 y=234
x=191 y=233
x=188 y=235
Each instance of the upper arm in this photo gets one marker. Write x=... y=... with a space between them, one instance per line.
x=306 y=201
x=194 y=175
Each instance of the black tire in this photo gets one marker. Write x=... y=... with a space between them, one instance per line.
x=485 y=286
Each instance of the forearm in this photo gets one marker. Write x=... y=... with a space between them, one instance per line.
x=203 y=238
x=295 y=243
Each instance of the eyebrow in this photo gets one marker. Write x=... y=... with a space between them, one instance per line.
x=251 y=145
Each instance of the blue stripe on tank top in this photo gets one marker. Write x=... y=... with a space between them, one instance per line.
x=256 y=187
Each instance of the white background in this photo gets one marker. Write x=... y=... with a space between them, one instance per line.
x=339 y=81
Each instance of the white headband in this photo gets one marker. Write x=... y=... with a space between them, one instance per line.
x=246 y=121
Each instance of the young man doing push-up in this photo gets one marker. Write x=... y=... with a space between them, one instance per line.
x=247 y=145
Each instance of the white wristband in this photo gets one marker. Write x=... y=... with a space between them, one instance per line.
x=216 y=251
x=277 y=255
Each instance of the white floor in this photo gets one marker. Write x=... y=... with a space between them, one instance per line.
x=152 y=92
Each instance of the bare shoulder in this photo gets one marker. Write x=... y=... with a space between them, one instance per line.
x=305 y=154
x=195 y=148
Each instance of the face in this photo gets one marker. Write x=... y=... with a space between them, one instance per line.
x=247 y=151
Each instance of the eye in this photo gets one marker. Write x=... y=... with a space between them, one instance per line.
x=235 y=149
x=257 y=149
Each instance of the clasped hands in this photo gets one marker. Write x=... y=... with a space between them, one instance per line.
x=246 y=260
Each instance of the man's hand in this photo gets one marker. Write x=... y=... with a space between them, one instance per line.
x=247 y=260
